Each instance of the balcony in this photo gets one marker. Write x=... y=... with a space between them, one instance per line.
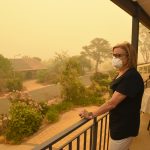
x=83 y=134
x=94 y=135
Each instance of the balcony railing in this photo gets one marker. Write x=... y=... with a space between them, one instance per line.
x=85 y=134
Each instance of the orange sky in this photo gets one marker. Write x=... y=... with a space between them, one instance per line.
x=42 y=27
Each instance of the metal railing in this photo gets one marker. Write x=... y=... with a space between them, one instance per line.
x=144 y=68
x=85 y=134
x=146 y=85
x=147 y=82
x=93 y=136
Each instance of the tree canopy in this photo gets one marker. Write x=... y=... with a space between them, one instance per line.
x=5 y=67
x=99 y=49
x=83 y=63
x=5 y=72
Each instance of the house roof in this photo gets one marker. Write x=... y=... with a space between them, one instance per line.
x=138 y=8
x=27 y=64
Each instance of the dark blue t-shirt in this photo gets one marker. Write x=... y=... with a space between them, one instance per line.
x=125 y=118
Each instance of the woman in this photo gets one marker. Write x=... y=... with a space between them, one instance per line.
x=124 y=105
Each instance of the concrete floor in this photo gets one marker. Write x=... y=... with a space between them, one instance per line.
x=142 y=141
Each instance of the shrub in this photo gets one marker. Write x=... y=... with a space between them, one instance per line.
x=14 y=84
x=41 y=75
x=93 y=96
x=6 y=71
x=72 y=88
x=3 y=123
x=91 y=100
x=73 y=92
x=24 y=121
x=3 y=86
x=63 y=106
x=22 y=97
x=43 y=108
x=112 y=74
x=52 y=115
x=47 y=76
x=101 y=78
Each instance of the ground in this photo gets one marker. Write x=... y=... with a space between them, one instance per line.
x=32 y=85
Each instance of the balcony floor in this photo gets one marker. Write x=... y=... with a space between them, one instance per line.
x=142 y=141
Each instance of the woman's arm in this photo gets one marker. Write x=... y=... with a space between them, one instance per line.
x=107 y=106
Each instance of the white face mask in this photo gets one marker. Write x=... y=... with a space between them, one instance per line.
x=117 y=63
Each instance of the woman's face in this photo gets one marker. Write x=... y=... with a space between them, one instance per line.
x=122 y=55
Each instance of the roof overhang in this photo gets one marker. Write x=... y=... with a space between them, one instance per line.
x=136 y=8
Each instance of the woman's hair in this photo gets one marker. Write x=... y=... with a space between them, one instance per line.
x=131 y=53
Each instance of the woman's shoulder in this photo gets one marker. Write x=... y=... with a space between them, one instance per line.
x=133 y=73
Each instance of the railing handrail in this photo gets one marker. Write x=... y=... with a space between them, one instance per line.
x=146 y=82
x=64 y=133
x=140 y=64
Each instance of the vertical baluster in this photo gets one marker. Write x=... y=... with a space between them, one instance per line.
x=105 y=131
x=101 y=129
x=108 y=132
x=70 y=146
x=91 y=131
x=78 y=143
x=95 y=126
x=85 y=135
x=148 y=127
x=108 y=139
x=50 y=147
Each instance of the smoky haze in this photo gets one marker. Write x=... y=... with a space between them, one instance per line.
x=38 y=28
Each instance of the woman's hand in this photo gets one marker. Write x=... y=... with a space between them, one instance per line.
x=85 y=114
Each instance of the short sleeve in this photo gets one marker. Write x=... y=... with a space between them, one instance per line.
x=129 y=86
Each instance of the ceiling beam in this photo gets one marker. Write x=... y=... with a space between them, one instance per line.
x=135 y=10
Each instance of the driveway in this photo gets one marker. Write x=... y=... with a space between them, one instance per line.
x=40 y=92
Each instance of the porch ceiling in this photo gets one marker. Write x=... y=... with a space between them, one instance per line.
x=145 y=4
x=138 y=8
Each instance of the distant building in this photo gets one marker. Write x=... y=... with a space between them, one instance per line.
x=27 y=66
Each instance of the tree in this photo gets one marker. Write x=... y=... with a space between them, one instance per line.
x=72 y=88
x=144 y=43
x=59 y=62
x=83 y=62
x=55 y=68
x=5 y=72
x=99 y=49
x=5 y=68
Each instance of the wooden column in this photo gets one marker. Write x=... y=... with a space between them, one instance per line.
x=135 y=29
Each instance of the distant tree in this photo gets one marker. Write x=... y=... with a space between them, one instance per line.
x=72 y=88
x=5 y=67
x=99 y=49
x=6 y=72
x=83 y=62
x=59 y=62
x=144 y=43
x=55 y=68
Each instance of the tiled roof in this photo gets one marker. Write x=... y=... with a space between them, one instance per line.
x=26 y=64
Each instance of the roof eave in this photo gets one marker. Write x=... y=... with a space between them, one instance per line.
x=135 y=10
